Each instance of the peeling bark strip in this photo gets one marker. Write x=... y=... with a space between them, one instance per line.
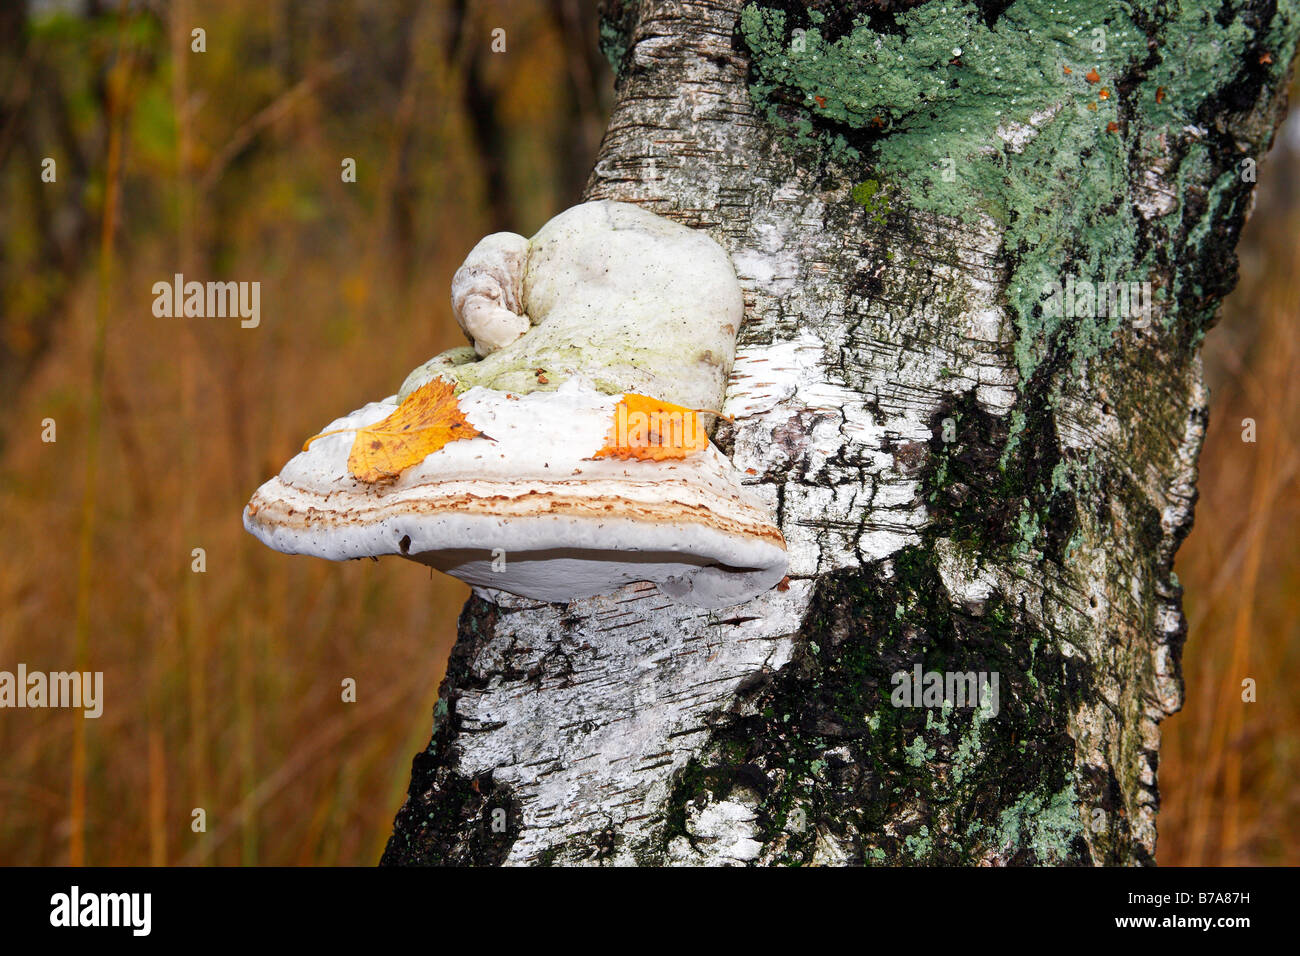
x=966 y=484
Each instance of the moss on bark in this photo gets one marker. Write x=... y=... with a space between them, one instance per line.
x=821 y=746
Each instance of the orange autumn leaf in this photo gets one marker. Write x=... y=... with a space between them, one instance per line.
x=427 y=420
x=647 y=429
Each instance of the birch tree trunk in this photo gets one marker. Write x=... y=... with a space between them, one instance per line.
x=967 y=480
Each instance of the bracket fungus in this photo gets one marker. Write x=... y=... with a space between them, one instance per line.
x=564 y=455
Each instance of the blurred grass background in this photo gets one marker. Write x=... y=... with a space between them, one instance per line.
x=223 y=688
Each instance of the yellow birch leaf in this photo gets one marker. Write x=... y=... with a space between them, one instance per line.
x=428 y=419
x=647 y=429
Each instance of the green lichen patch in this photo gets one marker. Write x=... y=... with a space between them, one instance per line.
x=1035 y=115
x=1047 y=824
x=868 y=195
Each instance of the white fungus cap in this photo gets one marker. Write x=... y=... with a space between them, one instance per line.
x=532 y=517
x=607 y=299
